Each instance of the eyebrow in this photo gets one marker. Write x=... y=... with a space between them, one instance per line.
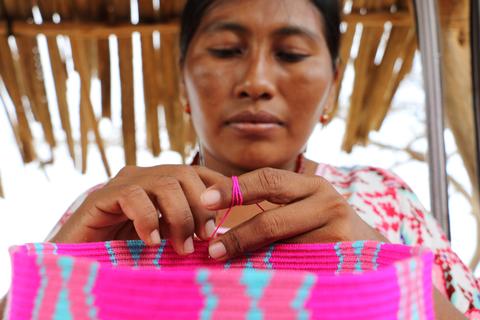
x=297 y=31
x=282 y=32
x=226 y=26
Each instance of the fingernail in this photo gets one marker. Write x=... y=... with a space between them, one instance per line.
x=188 y=246
x=155 y=237
x=210 y=227
x=217 y=250
x=210 y=197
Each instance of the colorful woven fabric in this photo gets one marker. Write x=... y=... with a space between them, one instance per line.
x=127 y=280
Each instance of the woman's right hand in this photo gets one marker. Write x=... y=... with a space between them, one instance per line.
x=147 y=204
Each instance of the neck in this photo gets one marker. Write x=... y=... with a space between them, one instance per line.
x=227 y=169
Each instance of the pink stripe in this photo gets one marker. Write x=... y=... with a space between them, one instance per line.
x=52 y=291
x=275 y=291
x=76 y=286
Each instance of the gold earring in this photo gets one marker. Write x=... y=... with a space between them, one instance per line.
x=325 y=119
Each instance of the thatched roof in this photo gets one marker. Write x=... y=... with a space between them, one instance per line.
x=88 y=23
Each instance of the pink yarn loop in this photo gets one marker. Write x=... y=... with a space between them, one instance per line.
x=237 y=200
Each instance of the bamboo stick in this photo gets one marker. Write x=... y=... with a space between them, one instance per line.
x=173 y=114
x=13 y=125
x=357 y=121
x=379 y=19
x=128 y=111
x=87 y=113
x=150 y=86
x=104 y=76
x=408 y=58
x=377 y=103
x=59 y=72
x=8 y=74
x=32 y=71
x=122 y=14
x=60 y=79
x=344 y=55
x=363 y=67
x=96 y=30
x=150 y=91
x=88 y=120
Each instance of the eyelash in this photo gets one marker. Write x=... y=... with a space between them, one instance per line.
x=235 y=52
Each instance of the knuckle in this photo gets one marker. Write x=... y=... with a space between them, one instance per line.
x=271 y=227
x=270 y=179
x=131 y=191
x=186 y=171
x=127 y=171
x=233 y=244
x=180 y=219
x=339 y=208
x=166 y=183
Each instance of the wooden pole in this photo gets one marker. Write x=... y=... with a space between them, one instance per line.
x=125 y=56
x=458 y=91
x=150 y=85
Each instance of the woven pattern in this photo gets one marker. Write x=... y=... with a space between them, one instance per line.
x=127 y=280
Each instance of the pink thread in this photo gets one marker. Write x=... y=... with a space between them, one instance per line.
x=237 y=200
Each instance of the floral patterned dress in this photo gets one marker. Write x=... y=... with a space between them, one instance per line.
x=386 y=203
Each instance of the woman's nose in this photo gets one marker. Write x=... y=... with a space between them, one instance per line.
x=257 y=81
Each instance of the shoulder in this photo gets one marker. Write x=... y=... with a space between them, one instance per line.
x=368 y=177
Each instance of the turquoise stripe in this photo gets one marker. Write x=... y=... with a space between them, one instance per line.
x=158 y=256
x=135 y=247
x=90 y=299
x=375 y=256
x=207 y=291
x=228 y=264
x=268 y=255
x=338 y=252
x=301 y=298
x=357 y=249
x=62 y=307
x=414 y=312
x=255 y=283
x=43 y=281
x=249 y=264
x=55 y=248
x=476 y=299
x=111 y=253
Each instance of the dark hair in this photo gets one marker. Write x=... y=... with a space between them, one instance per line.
x=195 y=10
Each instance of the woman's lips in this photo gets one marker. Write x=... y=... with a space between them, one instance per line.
x=254 y=123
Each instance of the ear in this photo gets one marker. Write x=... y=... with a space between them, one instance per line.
x=331 y=103
x=182 y=91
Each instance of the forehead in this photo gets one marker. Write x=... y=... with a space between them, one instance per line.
x=265 y=15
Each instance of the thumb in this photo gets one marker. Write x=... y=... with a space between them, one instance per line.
x=274 y=185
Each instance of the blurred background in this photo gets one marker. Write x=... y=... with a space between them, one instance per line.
x=87 y=86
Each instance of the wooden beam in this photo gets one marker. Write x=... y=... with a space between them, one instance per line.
x=92 y=29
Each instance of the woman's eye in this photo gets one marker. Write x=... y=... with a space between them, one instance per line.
x=291 y=57
x=226 y=53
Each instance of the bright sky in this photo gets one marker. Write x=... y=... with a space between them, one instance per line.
x=35 y=198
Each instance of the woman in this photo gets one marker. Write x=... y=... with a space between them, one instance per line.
x=257 y=76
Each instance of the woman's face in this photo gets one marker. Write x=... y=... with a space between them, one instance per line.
x=257 y=75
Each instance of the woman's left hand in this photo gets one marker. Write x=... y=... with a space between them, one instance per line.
x=310 y=211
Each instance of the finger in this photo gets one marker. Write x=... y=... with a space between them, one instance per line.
x=137 y=206
x=193 y=187
x=208 y=176
x=274 y=185
x=176 y=213
x=271 y=226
